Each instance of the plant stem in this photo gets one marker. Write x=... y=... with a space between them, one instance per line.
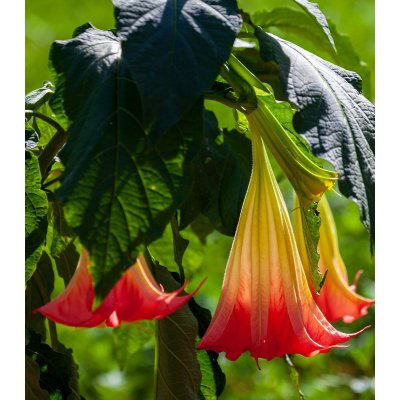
x=55 y=144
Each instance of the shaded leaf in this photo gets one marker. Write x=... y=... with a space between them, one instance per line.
x=165 y=42
x=45 y=130
x=33 y=391
x=129 y=338
x=177 y=370
x=58 y=372
x=337 y=121
x=37 y=293
x=66 y=262
x=315 y=13
x=31 y=137
x=35 y=214
x=212 y=378
x=221 y=175
x=37 y=97
x=118 y=193
x=59 y=234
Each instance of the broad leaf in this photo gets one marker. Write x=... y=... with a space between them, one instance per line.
x=178 y=373
x=315 y=13
x=337 y=121
x=37 y=293
x=35 y=214
x=66 y=262
x=212 y=378
x=59 y=234
x=221 y=176
x=289 y=20
x=182 y=371
x=301 y=24
x=175 y=50
x=118 y=192
x=33 y=391
x=129 y=338
x=163 y=250
x=58 y=372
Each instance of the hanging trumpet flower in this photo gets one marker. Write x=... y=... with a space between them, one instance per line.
x=337 y=299
x=135 y=297
x=266 y=306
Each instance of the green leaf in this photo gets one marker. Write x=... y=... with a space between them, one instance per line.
x=31 y=137
x=221 y=175
x=212 y=378
x=66 y=262
x=58 y=372
x=182 y=372
x=300 y=23
x=37 y=97
x=33 y=391
x=45 y=130
x=348 y=58
x=165 y=42
x=119 y=193
x=163 y=250
x=59 y=234
x=234 y=169
x=37 y=293
x=318 y=17
x=129 y=338
x=337 y=121
x=178 y=373
x=35 y=214
x=289 y=20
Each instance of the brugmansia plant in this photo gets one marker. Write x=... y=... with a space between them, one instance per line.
x=185 y=119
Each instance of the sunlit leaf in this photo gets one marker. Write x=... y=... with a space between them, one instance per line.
x=35 y=214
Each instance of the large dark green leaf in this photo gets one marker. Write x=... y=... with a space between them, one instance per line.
x=35 y=214
x=182 y=371
x=175 y=49
x=119 y=193
x=221 y=176
x=178 y=373
x=337 y=121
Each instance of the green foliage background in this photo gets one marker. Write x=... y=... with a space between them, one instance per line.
x=343 y=373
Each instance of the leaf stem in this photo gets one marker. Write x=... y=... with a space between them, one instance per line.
x=55 y=144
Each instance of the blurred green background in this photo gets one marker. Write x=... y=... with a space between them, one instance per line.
x=344 y=374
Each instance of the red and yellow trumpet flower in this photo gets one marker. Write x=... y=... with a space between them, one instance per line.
x=135 y=297
x=337 y=299
x=266 y=306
